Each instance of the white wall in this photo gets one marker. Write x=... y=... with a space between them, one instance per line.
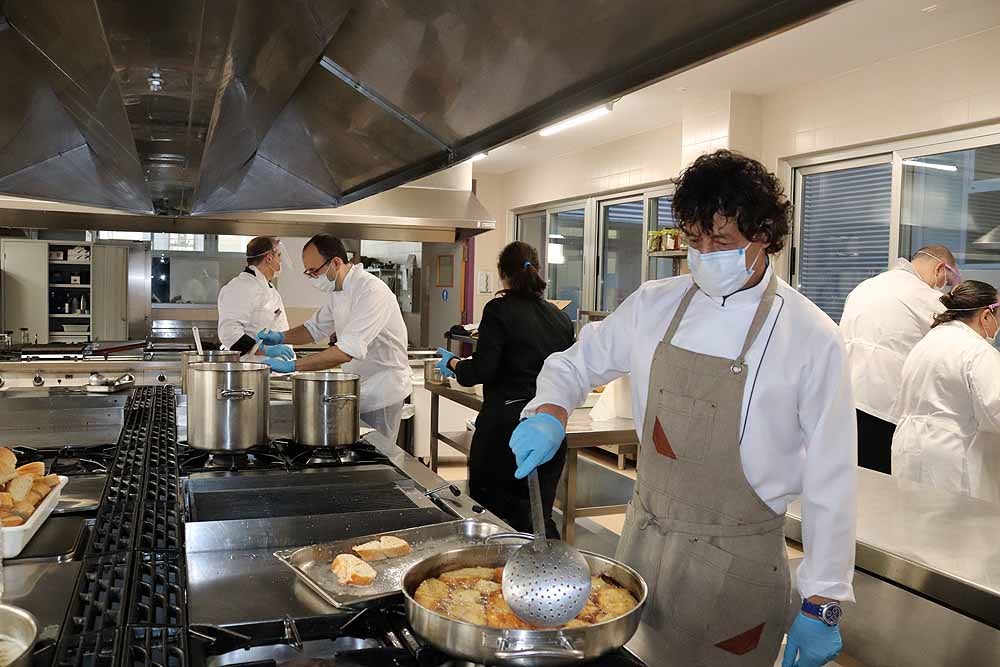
x=951 y=84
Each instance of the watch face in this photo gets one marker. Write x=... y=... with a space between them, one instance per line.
x=832 y=614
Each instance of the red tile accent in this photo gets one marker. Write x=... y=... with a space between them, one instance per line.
x=661 y=442
x=743 y=642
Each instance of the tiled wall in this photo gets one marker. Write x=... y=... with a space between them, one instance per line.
x=947 y=85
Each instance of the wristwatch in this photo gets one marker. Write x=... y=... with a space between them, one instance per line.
x=829 y=612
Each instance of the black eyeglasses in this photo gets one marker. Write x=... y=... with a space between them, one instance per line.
x=312 y=273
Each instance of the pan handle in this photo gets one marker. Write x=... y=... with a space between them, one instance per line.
x=334 y=399
x=235 y=394
x=543 y=653
x=527 y=537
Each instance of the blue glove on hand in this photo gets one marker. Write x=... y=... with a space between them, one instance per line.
x=280 y=365
x=811 y=643
x=279 y=352
x=535 y=441
x=269 y=337
x=442 y=365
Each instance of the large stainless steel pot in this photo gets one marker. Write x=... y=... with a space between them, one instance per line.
x=227 y=405
x=519 y=648
x=18 y=633
x=326 y=409
x=193 y=357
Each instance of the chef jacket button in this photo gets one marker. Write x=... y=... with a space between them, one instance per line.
x=736 y=369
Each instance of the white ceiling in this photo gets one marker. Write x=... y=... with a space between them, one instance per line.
x=856 y=35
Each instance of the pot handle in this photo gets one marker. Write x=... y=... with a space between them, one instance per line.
x=234 y=394
x=334 y=399
x=527 y=537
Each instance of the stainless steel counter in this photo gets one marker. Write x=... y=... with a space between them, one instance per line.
x=57 y=416
x=941 y=545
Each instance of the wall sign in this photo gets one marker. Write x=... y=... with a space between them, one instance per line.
x=444 y=295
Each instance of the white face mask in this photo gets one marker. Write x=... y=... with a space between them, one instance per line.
x=720 y=273
x=323 y=284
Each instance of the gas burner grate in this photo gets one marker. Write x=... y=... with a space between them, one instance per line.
x=158 y=597
x=155 y=647
x=162 y=527
x=31 y=455
x=114 y=529
x=256 y=458
x=162 y=486
x=84 y=459
x=99 y=603
x=300 y=456
x=96 y=649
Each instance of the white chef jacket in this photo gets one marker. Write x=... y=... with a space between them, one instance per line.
x=797 y=420
x=948 y=435
x=369 y=326
x=884 y=317
x=247 y=304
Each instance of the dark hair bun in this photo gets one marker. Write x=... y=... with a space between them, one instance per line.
x=947 y=301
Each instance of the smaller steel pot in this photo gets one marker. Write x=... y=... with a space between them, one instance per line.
x=192 y=357
x=327 y=412
x=18 y=633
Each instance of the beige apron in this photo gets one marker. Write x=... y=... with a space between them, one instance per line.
x=711 y=551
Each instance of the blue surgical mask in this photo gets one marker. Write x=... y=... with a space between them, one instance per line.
x=720 y=273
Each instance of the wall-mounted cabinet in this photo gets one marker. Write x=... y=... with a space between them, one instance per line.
x=64 y=291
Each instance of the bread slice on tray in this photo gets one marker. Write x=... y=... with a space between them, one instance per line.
x=352 y=571
x=394 y=546
x=370 y=551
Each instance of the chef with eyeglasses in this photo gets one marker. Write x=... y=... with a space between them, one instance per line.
x=363 y=314
x=742 y=395
x=884 y=318
x=250 y=301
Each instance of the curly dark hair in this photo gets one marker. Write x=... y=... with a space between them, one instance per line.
x=737 y=187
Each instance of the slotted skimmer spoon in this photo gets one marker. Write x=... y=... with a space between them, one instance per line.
x=546 y=582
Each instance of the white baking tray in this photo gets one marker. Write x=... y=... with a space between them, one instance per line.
x=17 y=537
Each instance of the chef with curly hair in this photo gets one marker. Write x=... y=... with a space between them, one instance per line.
x=741 y=393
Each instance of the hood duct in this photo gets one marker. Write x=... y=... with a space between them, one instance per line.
x=212 y=107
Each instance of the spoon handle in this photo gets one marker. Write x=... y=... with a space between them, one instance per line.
x=537 y=514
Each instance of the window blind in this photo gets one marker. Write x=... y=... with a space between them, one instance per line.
x=844 y=232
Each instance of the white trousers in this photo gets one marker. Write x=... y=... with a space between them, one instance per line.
x=385 y=420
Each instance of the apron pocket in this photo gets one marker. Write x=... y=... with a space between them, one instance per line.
x=688 y=425
x=640 y=549
x=722 y=605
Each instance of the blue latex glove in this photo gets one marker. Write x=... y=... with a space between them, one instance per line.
x=279 y=352
x=279 y=365
x=535 y=441
x=269 y=337
x=811 y=643
x=442 y=365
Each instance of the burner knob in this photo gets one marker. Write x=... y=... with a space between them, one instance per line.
x=161 y=378
x=38 y=380
x=2 y=382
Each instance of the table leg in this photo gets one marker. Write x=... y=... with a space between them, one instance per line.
x=435 y=405
x=569 y=507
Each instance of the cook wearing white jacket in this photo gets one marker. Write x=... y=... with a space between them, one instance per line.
x=742 y=396
x=250 y=301
x=370 y=334
x=948 y=435
x=884 y=317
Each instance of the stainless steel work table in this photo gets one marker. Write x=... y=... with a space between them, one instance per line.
x=581 y=432
x=940 y=553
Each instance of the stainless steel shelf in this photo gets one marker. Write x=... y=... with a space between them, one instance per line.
x=70 y=262
x=676 y=254
x=70 y=285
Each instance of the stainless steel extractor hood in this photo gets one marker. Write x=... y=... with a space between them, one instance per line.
x=207 y=108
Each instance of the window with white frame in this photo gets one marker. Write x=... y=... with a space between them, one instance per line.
x=233 y=243
x=844 y=216
x=179 y=242
x=124 y=236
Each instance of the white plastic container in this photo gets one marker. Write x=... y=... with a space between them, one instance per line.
x=16 y=538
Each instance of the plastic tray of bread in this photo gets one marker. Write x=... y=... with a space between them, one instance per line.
x=359 y=570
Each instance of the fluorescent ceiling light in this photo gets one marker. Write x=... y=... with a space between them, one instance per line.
x=578 y=119
x=556 y=236
x=477 y=157
x=930 y=165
